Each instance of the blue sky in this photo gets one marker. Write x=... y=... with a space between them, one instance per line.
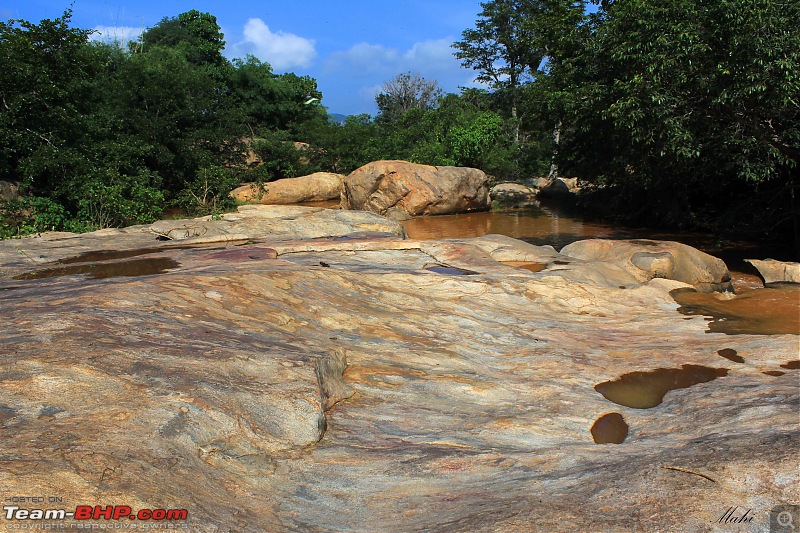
x=350 y=46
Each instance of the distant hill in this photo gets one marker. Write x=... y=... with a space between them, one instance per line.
x=338 y=117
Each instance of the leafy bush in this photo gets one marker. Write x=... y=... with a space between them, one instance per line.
x=27 y=215
x=209 y=192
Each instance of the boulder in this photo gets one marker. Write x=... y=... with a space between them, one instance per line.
x=8 y=190
x=512 y=195
x=646 y=260
x=400 y=188
x=555 y=187
x=772 y=271
x=312 y=188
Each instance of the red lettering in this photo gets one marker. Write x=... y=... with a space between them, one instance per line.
x=159 y=514
x=177 y=514
x=121 y=511
x=83 y=512
x=144 y=514
x=106 y=513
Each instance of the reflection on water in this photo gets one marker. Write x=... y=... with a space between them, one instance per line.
x=534 y=225
x=134 y=267
x=643 y=390
x=550 y=224
x=610 y=428
x=773 y=310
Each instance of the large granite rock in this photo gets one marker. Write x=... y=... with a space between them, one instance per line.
x=512 y=195
x=373 y=383
x=312 y=188
x=646 y=260
x=556 y=187
x=399 y=189
x=773 y=271
x=8 y=190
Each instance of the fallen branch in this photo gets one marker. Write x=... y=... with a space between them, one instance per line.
x=679 y=469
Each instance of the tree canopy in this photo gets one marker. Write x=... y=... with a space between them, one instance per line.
x=679 y=112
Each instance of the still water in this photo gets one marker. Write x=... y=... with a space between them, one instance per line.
x=550 y=224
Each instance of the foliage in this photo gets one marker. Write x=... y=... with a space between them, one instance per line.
x=696 y=102
x=209 y=192
x=280 y=158
x=30 y=214
x=405 y=92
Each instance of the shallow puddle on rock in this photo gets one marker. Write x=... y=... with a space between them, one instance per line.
x=610 y=428
x=449 y=271
x=773 y=310
x=135 y=267
x=107 y=255
x=791 y=365
x=527 y=265
x=731 y=355
x=97 y=256
x=643 y=390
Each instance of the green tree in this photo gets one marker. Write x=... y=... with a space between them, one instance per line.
x=695 y=103
x=197 y=33
x=405 y=92
x=269 y=101
x=44 y=68
x=515 y=42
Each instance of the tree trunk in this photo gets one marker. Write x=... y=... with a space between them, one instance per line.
x=557 y=141
x=516 y=122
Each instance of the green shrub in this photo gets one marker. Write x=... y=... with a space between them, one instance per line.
x=209 y=193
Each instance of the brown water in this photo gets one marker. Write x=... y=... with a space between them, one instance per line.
x=449 y=271
x=135 y=267
x=731 y=355
x=610 y=428
x=553 y=225
x=534 y=225
x=533 y=267
x=773 y=310
x=643 y=390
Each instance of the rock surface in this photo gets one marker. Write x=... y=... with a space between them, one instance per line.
x=557 y=187
x=399 y=189
x=312 y=188
x=512 y=195
x=8 y=190
x=646 y=260
x=773 y=271
x=339 y=384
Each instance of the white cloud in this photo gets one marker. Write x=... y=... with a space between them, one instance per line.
x=116 y=34
x=364 y=58
x=433 y=59
x=284 y=51
x=432 y=54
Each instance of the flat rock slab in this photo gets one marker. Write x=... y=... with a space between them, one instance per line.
x=458 y=400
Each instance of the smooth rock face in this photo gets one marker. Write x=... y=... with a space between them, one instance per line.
x=773 y=271
x=512 y=195
x=312 y=188
x=646 y=260
x=8 y=190
x=338 y=384
x=557 y=187
x=400 y=188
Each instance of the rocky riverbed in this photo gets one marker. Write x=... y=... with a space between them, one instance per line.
x=305 y=369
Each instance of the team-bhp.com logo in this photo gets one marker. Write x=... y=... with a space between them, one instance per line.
x=97 y=512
